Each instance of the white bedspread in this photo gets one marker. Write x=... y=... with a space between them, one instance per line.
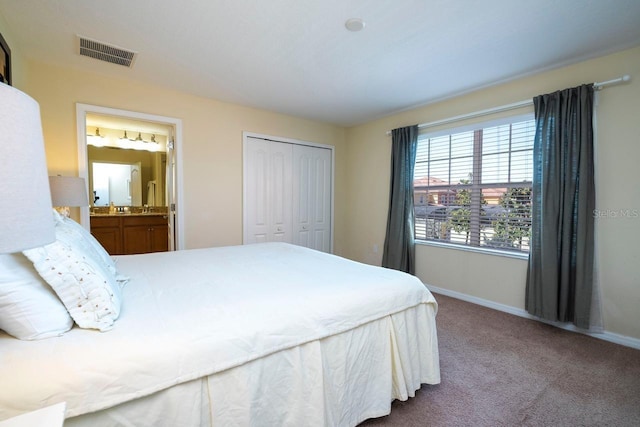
x=190 y=314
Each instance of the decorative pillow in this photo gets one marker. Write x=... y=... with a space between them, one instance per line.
x=88 y=243
x=83 y=283
x=29 y=309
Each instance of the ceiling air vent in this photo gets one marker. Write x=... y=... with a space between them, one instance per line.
x=104 y=52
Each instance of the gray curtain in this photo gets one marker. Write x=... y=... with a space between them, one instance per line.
x=399 y=248
x=560 y=273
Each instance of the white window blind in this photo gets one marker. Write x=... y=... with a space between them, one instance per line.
x=472 y=187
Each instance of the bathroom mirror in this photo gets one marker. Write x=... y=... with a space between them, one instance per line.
x=126 y=167
x=126 y=177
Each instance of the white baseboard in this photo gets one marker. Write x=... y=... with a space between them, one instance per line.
x=604 y=335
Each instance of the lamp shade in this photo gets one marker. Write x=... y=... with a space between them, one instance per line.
x=26 y=220
x=68 y=191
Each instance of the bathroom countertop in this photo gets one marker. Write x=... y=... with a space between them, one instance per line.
x=130 y=214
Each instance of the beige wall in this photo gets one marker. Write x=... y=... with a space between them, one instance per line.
x=212 y=149
x=498 y=279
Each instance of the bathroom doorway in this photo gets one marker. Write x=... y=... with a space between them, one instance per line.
x=114 y=136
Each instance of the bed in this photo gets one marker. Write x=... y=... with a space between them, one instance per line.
x=261 y=334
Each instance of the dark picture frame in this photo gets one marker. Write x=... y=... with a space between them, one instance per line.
x=5 y=62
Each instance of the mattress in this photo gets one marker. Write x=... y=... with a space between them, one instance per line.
x=236 y=336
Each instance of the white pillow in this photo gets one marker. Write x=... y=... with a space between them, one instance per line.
x=87 y=289
x=29 y=309
x=88 y=243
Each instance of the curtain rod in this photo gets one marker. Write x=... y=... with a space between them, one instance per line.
x=601 y=85
x=596 y=86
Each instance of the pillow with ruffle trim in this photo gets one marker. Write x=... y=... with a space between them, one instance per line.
x=89 y=245
x=87 y=289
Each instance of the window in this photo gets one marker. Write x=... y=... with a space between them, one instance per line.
x=472 y=187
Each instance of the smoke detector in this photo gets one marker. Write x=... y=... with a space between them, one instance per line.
x=354 y=24
x=106 y=52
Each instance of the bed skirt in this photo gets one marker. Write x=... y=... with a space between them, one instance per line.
x=340 y=380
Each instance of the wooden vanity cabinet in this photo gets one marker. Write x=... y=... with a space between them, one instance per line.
x=108 y=231
x=142 y=234
x=135 y=234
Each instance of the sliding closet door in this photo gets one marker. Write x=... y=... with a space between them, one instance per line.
x=268 y=191
x=312 y=197
x=288 y=193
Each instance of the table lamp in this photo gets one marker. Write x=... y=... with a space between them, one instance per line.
x=67 y=191
x=25 y=200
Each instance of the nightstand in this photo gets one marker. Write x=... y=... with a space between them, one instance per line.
x=50 y=416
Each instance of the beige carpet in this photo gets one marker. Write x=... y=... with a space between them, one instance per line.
x=503 y=370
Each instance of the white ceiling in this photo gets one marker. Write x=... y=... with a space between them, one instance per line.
x=296 y=57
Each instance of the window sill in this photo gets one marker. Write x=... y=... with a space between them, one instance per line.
x=494 y=252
